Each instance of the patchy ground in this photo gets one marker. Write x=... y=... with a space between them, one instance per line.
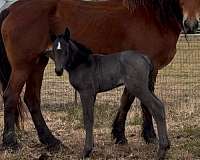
x=178 y=86
x=66 y=124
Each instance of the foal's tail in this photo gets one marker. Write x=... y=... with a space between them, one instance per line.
x=5 y=71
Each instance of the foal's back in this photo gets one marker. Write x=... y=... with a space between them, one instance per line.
x=106 y=72
x=134 y=61
x=117 y=66
x=136 y=69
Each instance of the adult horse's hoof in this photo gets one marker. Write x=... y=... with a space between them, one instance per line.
x=55 y=146
x=10 y=147
x=10 y=142
x=150 y=138
x=118 y=137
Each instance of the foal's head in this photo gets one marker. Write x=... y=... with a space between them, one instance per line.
x=68 y=53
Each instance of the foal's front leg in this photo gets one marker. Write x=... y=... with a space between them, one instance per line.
x=88 y=100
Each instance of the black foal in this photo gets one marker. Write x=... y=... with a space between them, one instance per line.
x=91 y=74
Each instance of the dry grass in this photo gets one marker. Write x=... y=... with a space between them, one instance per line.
x=178 y=86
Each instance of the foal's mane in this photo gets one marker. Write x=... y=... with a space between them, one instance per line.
x=167 y=10
x=79 y=57
x=84 y=50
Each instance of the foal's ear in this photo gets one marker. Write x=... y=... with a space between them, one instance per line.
x=67 y=34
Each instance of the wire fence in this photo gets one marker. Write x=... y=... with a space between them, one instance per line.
x=177 y=85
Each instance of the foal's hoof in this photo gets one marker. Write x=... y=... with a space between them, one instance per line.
x=44 y=157
x=87 y=153
x=121 y=141
x=151 y=140
x=10 y=142
x=162 y=152
x=55 y=147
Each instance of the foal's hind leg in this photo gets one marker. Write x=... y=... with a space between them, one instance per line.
x=32 y=100
x=157 y=110
x=11 y=98
x=118 y=130
x=148 y=132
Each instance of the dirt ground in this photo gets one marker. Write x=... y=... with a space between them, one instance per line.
x=177 y=85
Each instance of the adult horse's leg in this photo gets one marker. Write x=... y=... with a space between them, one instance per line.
x=118 y=130
x=148 y=132
x=11 y=98
x=32 y=100
x=4 y=82
x=88 y=101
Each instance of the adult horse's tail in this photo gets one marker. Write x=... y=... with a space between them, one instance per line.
x=5 y=71
x=151 y=73
x=151 y=77
x=5 y=68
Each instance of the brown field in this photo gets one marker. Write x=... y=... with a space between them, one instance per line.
x=177 y=85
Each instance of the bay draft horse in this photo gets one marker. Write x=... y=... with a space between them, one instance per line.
x=191 y=12
x=92 y=74
x=149 y=26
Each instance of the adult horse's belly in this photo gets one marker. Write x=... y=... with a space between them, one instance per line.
x=159 y=48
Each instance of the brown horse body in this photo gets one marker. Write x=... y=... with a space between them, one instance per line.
x=152 y=27
x=129 y=29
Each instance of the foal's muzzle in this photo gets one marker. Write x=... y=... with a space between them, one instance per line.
x=59 y=72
